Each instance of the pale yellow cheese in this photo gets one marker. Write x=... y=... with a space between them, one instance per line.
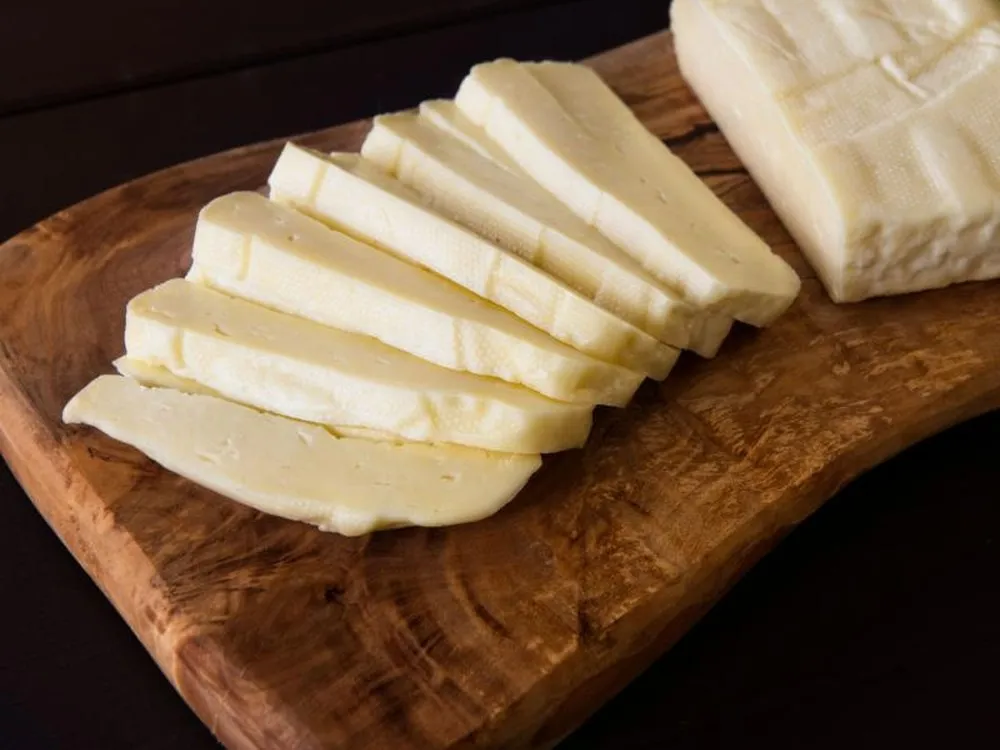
x=508 y=207
x=360 y=199
x=157 y=376
x=300 y=369
x=656 y=209
x=873 y=127
x=269 y=253
x=445 y=116
x=301 y=471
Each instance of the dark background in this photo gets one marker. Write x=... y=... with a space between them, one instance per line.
x=874 y=625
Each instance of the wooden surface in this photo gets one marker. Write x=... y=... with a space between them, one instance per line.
x=492 y=636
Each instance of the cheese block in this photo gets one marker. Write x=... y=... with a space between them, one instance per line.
x=301 y=471
x=250 y=247
x=300 y=369
x=873 y=127
x=510 y=209
x=360 y=199
x=657 y=210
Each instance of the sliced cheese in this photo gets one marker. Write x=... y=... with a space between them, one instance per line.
x=301 y=471
x=657 y=210
x=263 y=251
x=872 y=127
x=509 y=208
x=445 y=116
x=156 y=376
x=300 y=369
x=357 y=197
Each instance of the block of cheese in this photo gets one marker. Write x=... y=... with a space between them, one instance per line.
x=657 y=210
x=873 y=127
x=506 y=206
x=250 y=247
x=300 y=369
x=301 y=471
x=360 y=199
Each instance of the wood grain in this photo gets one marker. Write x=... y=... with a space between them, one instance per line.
x=504 y=633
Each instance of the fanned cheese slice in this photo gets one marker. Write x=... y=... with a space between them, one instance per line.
x=269 y=253
x=872 y=127
x=659 y=211
x=509 y=208
x=357 y=197
x=445 y=116
x=301 y=471
x=300 y=369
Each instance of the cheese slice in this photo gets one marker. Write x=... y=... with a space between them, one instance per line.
x=250 y=247
x=510 y=209
x=357 y=197
x=300 y=369
x=872 y=127
x=445 y=116
x=659 y=211
x=301 y=471
x=156 y=376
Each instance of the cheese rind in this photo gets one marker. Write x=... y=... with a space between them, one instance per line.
x=301 y=471
x=872 y=128
x=360 y=199
x=506 y=206
x=656 y=209
x=300 y=369
x=250 y=247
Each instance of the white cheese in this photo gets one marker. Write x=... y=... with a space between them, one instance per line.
x=360 y=199
x=873 y=127
x=445 y=116
x=156 y=376
x=646 y=200
x=250 y=247
x=300 y=369
x=301 y=471
x=506 y=206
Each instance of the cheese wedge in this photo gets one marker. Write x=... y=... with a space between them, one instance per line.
x=300 y=369
x=509 y=208
x=872 y=127
x=357 y=197
x=658 y=212
x=301 y=471
x=262 y=251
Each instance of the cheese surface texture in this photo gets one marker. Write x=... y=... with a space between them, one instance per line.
x=297 y=470
x=250 y=247
x=507 y=207
x=358 y=198
x=656 y=209
x=300 y=369
x=873 y=127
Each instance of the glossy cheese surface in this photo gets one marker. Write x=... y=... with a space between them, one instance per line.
x=301 y=471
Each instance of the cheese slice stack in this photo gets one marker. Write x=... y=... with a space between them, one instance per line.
x=360 y=199
x=645 y=200
x=299 y=369
x=509 y=208
x=873 y=126
x=301 y=471
x=250 y=247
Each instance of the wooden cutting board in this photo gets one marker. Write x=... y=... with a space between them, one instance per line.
x=504 y=633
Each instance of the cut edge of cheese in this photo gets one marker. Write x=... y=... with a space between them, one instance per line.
x=703 y=250
x=300 y=471
x=271 y=254
x=356 y=197
x=513 y=211
x=300 y=369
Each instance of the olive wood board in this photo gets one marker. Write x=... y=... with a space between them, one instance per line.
x=508 y=632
